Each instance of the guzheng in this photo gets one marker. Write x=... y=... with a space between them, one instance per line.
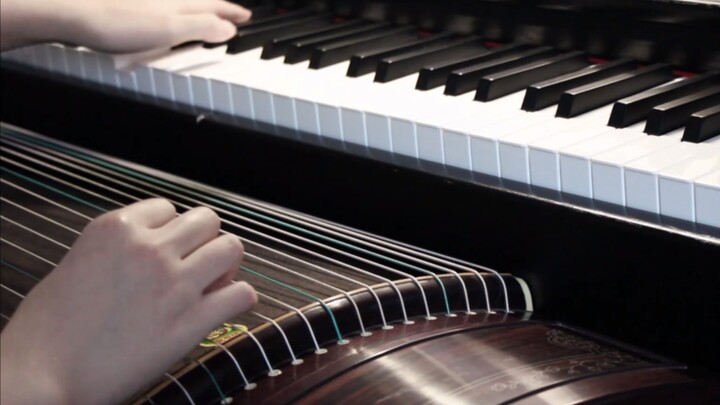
x=571 y=144
x=343 y=315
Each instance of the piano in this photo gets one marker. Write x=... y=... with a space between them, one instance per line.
x=572 y=143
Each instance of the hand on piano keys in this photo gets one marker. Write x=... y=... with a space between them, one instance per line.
x=139 y=288
x=119 y=26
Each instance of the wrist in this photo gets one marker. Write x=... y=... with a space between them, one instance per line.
x=27 y=379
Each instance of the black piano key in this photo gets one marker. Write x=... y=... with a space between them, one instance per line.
x=302 y=50
x=247 y=39
x=466 y=79
x=367 y=61
x=503 y=83
x=590 y=96
x=436 y=75
x=270 y=19
x=331 y=54
x=278 y=46
x=636 y=108
x=702 y=125
x=260 y=12
x=398 y=66
x=260 y=22
x=674 y=114
x=548 y=92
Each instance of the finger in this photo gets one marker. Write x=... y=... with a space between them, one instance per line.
x=231 y=12
x=223 y=9
x=152 y=213
x=190 y=230
x=224 y=281
x=219 y=306
x=202 y=27
x=212 y=260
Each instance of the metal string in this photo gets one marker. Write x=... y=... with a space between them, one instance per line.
x=36 y=182
x=385 y=326
x=171 y=186
x=295 y=360
x=188 y=207
x=179 y=384
x=318 y=350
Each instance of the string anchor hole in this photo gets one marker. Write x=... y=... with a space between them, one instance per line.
x=250 y=387
x=409 y=322
x=366 y=334
x=431 y=318
x=274 y=373
x=450 y=315
x=343 y=342
x=321 y=351
x=226 y=400
x=387 y=327
x=297 y=362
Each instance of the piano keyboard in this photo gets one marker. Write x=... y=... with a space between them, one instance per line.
x=533 y=115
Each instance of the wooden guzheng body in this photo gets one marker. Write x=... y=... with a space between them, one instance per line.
x=345 y=316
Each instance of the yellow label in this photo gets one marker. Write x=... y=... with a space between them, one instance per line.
x=223 y=334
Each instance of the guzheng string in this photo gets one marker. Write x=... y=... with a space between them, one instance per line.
x=328 y=228
x=104 y=176
x=404 y=274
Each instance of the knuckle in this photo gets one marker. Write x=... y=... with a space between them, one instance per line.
x=115 y=223
x=165 y=205
x=155 y=255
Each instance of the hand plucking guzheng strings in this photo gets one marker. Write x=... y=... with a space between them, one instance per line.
x=124 y=186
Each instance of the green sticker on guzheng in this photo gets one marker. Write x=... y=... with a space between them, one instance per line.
x=223 y=334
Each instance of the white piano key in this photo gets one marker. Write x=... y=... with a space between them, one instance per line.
x=329 y=120
x=575 y=163
x=377 y=130
x=707 y=199
x=513 y=148
x=162 y=84
x=484 y=140
x=677 y=197
x=145 y=83
x=127 y=81
x=57 y=57
x=106 y=69
x=241 y=101
x=263 y=106
x=641 y=175
x=311 y=87
x=74 y=63
x=456 y=149
x=307 y=114
x=221 y=99
x=42 y=57
x=608 y=177
x=353 y=122
x=90 y=63
x=12 y=55
x=25 y=55
x=544 y=156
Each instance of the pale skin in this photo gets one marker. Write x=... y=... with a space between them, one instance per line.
x=142 y=285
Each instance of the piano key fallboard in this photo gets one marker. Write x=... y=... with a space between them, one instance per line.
x=612 y=131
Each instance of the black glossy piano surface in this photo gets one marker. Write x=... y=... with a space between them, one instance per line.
x=639 y=278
